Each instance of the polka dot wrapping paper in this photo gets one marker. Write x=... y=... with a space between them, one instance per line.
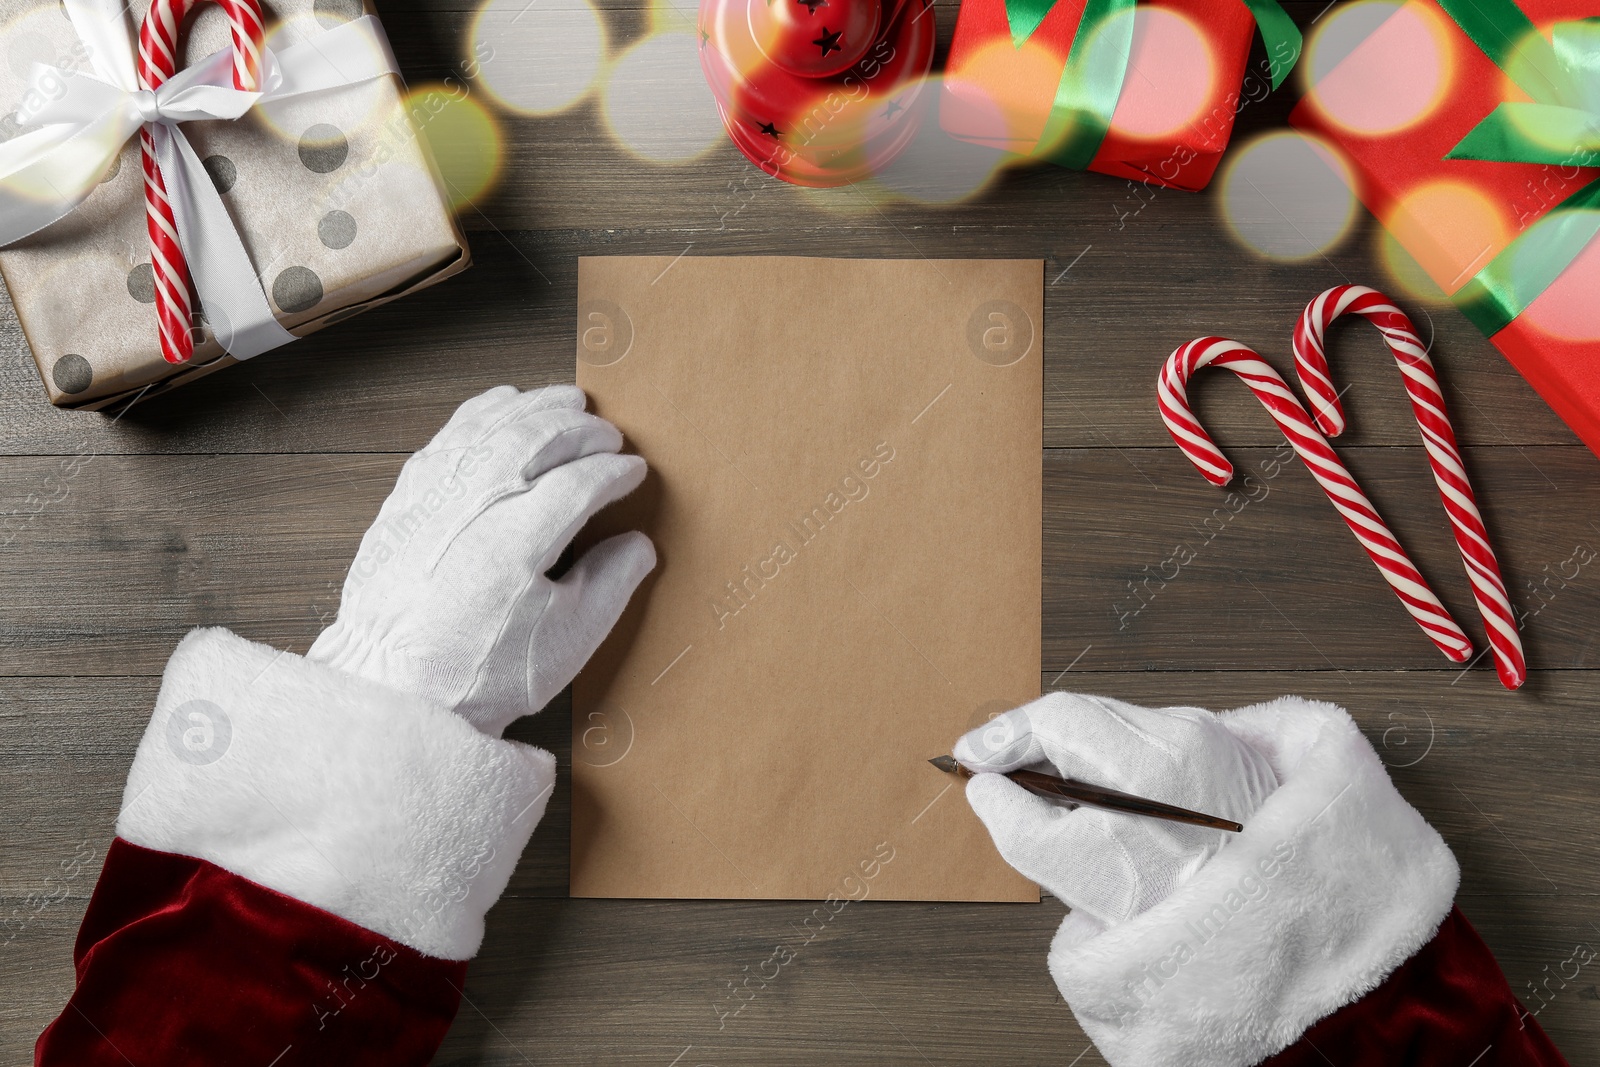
x=334 y=194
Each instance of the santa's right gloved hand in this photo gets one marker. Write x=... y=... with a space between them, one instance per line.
x=1110 y=865
x=1189 y=947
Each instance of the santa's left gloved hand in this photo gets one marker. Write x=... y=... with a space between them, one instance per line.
x=448 y=597
x=1188 y=947
x=369 y=778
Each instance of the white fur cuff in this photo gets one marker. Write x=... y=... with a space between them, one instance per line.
x=366 y=802
x=1334 y=883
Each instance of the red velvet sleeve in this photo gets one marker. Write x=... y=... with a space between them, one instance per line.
x=184 y=964
x=1447 y=1006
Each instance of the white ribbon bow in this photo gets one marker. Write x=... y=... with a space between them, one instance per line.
x=86 y=116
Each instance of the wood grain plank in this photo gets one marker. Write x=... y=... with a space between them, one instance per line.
x=1158 y=570
x=961 y=984
x=1454 y=751
x=388 y=380
x=142 y=548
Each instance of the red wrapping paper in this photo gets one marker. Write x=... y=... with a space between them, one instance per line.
x=1175 y=111
x=1393 y=108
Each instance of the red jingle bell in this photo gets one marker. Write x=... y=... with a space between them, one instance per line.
x=815 y=38
x=818 y=92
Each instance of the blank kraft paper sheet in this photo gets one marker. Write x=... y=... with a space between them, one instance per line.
x=844 y=492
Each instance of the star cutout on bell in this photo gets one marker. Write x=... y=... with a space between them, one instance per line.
x=891 y=108
x=828 y=42
x=770 y=129
x=812 y=5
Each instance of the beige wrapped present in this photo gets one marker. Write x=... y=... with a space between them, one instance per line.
x=335 y=198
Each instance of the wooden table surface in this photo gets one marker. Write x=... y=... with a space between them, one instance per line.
x=239 y=501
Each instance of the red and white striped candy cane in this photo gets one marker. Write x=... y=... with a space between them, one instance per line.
x=1427 y=403
x=1292 y=418
x=158 y=60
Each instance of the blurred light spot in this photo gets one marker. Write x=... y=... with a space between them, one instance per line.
x=350 y=110
x=657 y=102
x=1001 y=95
x=933 y=167
x=1171 y=76
x=1522 y=70
x=285 y=34
x=1375 y=70
x=37 y=35
x=92 y=156
x=1337 y=35
x=1405 y=272
x=26 y=48
x=463 y=138
x=1567 y=308
x=1450 y=229
x=41 y=35
x=1288 y=196
x=534 y=59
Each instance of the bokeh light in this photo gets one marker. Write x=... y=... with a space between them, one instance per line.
x=42 y=35
x=656 y=100
x=1567 y=308
x=1521 y=69
x=463 y=137
x=351 y=108
x=534 y=59
x=1405 y=272
x=1287 y=196
x=1450 y=229
x=934 y=167
x=37 y=35
x=1001 y=95
x=1171 y=76
x=1373 y=69
x=1338 y=34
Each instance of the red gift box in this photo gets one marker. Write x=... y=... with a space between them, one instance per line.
x=1395 y=107
x=1175 y=105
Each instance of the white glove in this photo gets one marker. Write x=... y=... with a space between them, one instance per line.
x=1110 y=865
x=448 y=596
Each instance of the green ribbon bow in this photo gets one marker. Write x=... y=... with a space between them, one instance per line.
x=1562 y=76
x=1560 y=126
x=1092 y=79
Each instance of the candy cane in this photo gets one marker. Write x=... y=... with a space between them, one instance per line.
x=1427 y=403
x=158 y=60
x=1292 y=418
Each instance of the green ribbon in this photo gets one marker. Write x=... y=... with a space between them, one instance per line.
x=1097 y=64
x=1559 y=126
x=1561 y=75
x=1525 y=268
x=1280 y=35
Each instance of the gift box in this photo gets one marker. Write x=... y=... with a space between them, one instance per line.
x=1467 y=125
x=333 y=195
x=1146 y=92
